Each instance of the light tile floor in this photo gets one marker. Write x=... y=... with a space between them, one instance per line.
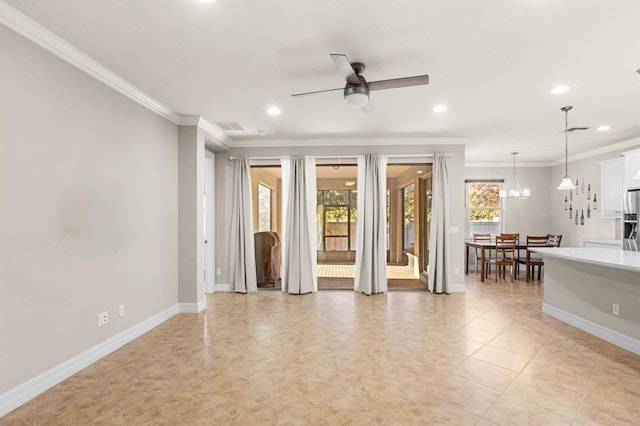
x=489 y=356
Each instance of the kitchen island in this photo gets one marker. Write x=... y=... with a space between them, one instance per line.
x=586 y=286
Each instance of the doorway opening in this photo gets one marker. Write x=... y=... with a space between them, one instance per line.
x=266 y=198
x=408 y=225
x=337 y=218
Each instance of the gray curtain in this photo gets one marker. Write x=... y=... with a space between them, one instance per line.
x=439 y=258
x=371 y=251
x=241 y=247
x=300 y=229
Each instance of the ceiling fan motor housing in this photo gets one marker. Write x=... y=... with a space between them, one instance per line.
x=361 y=88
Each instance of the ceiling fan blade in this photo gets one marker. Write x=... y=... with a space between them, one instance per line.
x=367 y=108
x=398 y=82
x=317 y=91
x=345 y=68
x=573 y=129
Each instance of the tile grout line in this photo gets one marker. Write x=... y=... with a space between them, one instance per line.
x=514 y=379
x=113 y=394
x=586 y=389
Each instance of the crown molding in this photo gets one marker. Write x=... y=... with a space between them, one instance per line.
x=618 y=146
x=215 y=137
x=345 y=140
x=33 y=31
x=507 y=164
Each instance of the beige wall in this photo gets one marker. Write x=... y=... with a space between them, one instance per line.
x=589 y=291
x=594 y=228
x=526 y=217
x=88 y=211
x=224 y=179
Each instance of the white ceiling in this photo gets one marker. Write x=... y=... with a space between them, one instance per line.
x=491 y=62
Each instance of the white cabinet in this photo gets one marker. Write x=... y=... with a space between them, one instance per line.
x=631 y=167
x=611 y=188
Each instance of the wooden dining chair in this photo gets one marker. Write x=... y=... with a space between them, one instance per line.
x=476 y=238
x=533 y=259
x=553 y=240
x=505 y=255
x=514 y=236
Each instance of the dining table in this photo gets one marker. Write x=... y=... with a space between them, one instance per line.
x=484 y=246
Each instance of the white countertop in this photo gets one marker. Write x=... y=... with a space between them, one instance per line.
x=613 y=243
x=612 y=258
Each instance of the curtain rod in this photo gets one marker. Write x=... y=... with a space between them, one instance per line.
x=341 y=157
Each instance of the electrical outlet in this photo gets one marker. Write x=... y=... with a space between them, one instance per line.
x=218 y=271
x=103 y=318
x=456 y=271
x=616 y=309
x=121 y=310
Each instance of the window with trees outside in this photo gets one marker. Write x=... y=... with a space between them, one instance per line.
x=484 y=207
x=264 y=208
x=337 y=217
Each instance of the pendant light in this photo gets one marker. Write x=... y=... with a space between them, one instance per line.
x=514 y=190
x=566 y=181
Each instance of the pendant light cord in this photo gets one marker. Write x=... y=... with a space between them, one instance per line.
x=566 y=143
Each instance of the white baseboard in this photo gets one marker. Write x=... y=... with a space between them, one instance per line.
x=192 y=308
x=223 y=288
x=611 y=336
x=28 y=390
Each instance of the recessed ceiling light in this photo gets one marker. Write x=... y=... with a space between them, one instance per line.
x=439 y=108
x=560 y=89
x=273 y=110
x=349 y=183
x=420 y=172
x=603 y=128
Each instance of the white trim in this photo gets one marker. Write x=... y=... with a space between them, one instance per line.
x=192 y=308
x=210 y=221
x=611 y=336
x=632 y=152
x=223 y=288
x=28 y=390
x=458 y=288
x=529 y=164
x=342 y=141
x=214 y=136
x=629 y=143
x=31 y=30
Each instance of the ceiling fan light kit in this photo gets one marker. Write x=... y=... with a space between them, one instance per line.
x=356 y=96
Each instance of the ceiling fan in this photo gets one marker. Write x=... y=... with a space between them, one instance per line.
x=356 y=91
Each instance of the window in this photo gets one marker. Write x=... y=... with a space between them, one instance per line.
x=337 y=217
x=408 y=200
x=264 y=208
x=484 y=206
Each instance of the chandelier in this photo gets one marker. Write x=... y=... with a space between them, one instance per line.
x=513 y=190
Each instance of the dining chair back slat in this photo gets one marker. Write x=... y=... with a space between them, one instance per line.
x=553 y=240
x=505 y=255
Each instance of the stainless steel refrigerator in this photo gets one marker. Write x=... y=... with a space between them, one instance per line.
x=631 y=215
